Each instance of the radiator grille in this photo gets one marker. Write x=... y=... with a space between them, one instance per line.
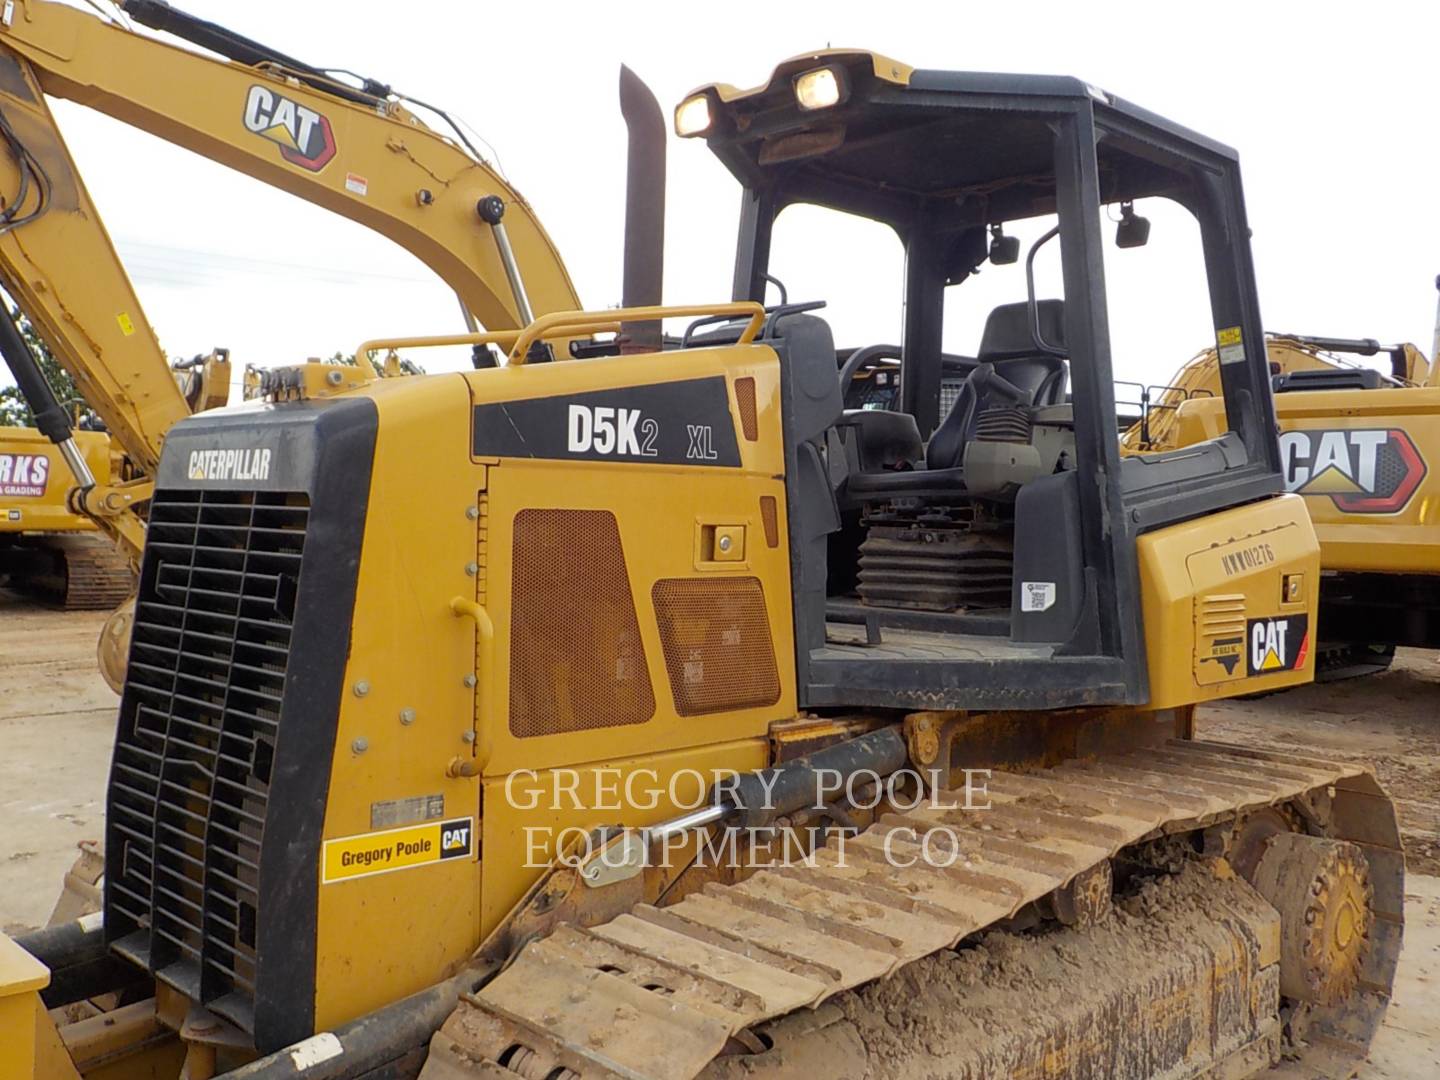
x=198 y=725
x=576 y=658
x=745 y=402
x=718 y=649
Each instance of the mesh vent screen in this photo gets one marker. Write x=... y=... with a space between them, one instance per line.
x=745 y=402
x=576 y=659
x=770 y=519
x=717 y=644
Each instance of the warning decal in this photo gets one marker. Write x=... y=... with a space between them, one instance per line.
x=1231 y=345
x=397 y=849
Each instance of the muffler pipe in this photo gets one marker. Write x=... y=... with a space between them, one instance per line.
x=644 y=270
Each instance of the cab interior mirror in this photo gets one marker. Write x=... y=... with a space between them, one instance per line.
x=1004 y=250
x=1133 y=230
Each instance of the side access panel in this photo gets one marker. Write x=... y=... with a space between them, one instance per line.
x=1229 y=602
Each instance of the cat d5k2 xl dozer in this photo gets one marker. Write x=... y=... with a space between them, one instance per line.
x=428 y=672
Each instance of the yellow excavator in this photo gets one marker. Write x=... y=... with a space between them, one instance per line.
x=675 y=720
x=48 y=549
x=356 y=151
x=1360 y=445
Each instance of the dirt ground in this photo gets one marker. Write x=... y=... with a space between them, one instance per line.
x=57 y=720
x=1390 y=722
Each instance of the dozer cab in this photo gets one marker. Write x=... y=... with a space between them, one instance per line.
x=444 y=691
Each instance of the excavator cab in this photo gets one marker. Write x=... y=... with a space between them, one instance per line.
x=972 y=543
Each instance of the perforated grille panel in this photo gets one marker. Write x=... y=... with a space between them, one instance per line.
x=745 y=402
x=576 y=659
x=199 y=722
x=718 y=649
x=949 y=391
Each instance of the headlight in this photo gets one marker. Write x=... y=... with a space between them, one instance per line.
x=692 y=116
x=819 y=89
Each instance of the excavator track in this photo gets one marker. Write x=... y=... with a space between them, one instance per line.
x=84 y=573
x=658 y=993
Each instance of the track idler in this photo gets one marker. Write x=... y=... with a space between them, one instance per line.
x=1321 y=888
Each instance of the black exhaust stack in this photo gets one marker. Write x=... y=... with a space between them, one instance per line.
x=644 y=210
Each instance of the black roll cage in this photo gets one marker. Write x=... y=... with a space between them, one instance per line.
x=1075 y=149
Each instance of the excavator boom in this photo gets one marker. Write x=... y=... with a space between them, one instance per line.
x=58 y=263
x=358 y=152
x=363 y=156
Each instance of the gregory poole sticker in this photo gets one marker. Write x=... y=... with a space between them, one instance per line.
x=397 y=849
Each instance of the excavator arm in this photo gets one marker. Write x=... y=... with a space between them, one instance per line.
x=360 y=154
x=357 y=152
x=57 y=262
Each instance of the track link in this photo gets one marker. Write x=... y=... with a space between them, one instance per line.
x=657 y=993
x=86 y=573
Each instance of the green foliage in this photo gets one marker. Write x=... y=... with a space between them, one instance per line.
x=15 y=411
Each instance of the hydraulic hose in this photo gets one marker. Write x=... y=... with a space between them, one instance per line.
x=50 y=417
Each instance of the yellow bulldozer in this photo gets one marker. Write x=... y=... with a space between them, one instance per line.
x=1359 y=444
x=633 y=709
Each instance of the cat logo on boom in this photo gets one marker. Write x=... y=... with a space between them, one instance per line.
x=1276 y=644
x=303 y=135
x=1362 y=470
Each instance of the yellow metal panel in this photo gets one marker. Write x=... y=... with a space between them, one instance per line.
x=1206 y=581
x=400 y=727
x=883 y=67
x=658 y=509
x=22 y=977
x=407 y=738
x=19 y=971
x=51 y=1061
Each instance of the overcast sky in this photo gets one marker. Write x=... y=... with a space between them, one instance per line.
x=1332 y=107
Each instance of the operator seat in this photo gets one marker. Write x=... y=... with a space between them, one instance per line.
x=1007 y=349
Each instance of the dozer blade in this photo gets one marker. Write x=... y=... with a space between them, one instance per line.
x=658 y=993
